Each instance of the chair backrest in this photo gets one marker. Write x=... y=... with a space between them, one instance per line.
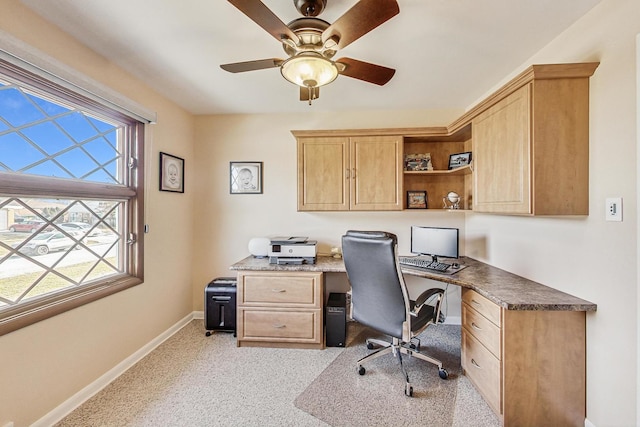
x=378 y=292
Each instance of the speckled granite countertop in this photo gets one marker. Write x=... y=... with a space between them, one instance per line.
x=505 y=289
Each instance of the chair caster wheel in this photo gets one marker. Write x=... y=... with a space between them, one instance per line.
x=408 y=390
x=208 y=333
x=361 y=370
x=443 y=373
x=370 y=346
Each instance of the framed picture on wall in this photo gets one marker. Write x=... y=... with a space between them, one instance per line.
x=416 y=200
x=171 y=173
x=246 y=177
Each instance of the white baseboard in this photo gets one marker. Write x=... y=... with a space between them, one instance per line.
x=198 y=314
x=588 y=423
x=89 y=391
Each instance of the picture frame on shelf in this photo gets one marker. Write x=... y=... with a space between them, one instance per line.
x=245 y=177
x=459 y=160
x=418 y=162
x=171 y=173
x=417 y=199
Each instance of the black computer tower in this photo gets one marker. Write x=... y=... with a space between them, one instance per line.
x=336 y=320
x=220 y=305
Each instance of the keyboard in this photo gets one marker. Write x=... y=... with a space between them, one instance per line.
x=423 y=263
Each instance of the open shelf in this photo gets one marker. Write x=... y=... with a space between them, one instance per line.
x=463 y=170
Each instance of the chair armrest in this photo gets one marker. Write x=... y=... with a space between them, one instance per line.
x=424 y=297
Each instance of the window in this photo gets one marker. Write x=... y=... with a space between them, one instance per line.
x=71 y=199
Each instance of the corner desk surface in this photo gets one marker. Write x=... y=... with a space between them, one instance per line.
x=507 y=290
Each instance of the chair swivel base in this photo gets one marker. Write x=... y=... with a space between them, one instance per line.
x=398 y=348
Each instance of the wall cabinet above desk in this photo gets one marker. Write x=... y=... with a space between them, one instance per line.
x=530 y=154
x=340 y=173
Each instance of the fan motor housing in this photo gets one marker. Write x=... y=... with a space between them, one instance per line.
x=310 y=7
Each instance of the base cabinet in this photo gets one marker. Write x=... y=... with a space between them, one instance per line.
x=280 y=309
x=529 y=365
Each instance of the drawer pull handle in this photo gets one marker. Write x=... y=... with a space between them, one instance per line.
x=279 y=326
x=473 y=361
x=476 y=326
x=475 y=302
x=278 y=291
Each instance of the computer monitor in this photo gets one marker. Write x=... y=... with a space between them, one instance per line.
x=434 y=241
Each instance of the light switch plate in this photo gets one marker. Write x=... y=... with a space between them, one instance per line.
x=613 y=207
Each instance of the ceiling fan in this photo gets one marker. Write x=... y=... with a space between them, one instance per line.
x=311 y=43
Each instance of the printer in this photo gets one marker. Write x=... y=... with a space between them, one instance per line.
x=292 y=250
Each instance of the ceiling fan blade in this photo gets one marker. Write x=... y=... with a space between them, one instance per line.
x=264 y=17
x=366 y=71
x=359 y=20
x=309 y=93
x=260 y=64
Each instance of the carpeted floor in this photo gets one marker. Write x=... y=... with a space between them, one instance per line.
x=207 y=381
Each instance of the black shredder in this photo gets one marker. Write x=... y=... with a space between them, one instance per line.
x=220 y=305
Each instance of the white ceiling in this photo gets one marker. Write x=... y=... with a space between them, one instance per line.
x=447 y=53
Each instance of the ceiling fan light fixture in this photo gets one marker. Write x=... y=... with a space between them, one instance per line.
x=309 y=69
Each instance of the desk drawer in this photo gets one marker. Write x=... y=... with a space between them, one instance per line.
x=271 y=325
x=282 y=289
x=483 y=369
x=482 y=329
x=482 y=305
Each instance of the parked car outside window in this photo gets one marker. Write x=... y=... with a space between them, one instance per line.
x=44 y=243
x=26 y=226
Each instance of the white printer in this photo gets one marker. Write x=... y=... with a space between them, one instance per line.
x=292 y=250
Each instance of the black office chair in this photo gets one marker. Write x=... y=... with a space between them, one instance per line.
x=380 y=299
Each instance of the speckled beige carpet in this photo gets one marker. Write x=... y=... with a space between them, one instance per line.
x=341 y=397
x=193 y=380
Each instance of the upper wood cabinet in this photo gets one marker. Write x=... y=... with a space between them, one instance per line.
x=531 y=148
x=337 y=173
x=530 y=154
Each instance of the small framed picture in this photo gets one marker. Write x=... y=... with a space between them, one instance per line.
x=246 y=177
x=416 y=200
x=459 y=159
x=418 y=162
x=171 y=173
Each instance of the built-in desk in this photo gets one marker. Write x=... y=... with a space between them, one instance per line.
x=523 y=344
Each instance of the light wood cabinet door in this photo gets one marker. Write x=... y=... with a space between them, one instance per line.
x=323 y=164
x=376 y=173
x=502 y=147
x=342 y=173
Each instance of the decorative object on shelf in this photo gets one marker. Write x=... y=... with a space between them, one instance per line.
x=418 y=162
x=171 y=173
x=259 y=247
x=459 y=159
x=451 y=200
x=246 y=177
x=416 y=200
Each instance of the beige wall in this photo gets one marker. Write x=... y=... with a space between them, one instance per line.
x=46 y=363
x=585 y=256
